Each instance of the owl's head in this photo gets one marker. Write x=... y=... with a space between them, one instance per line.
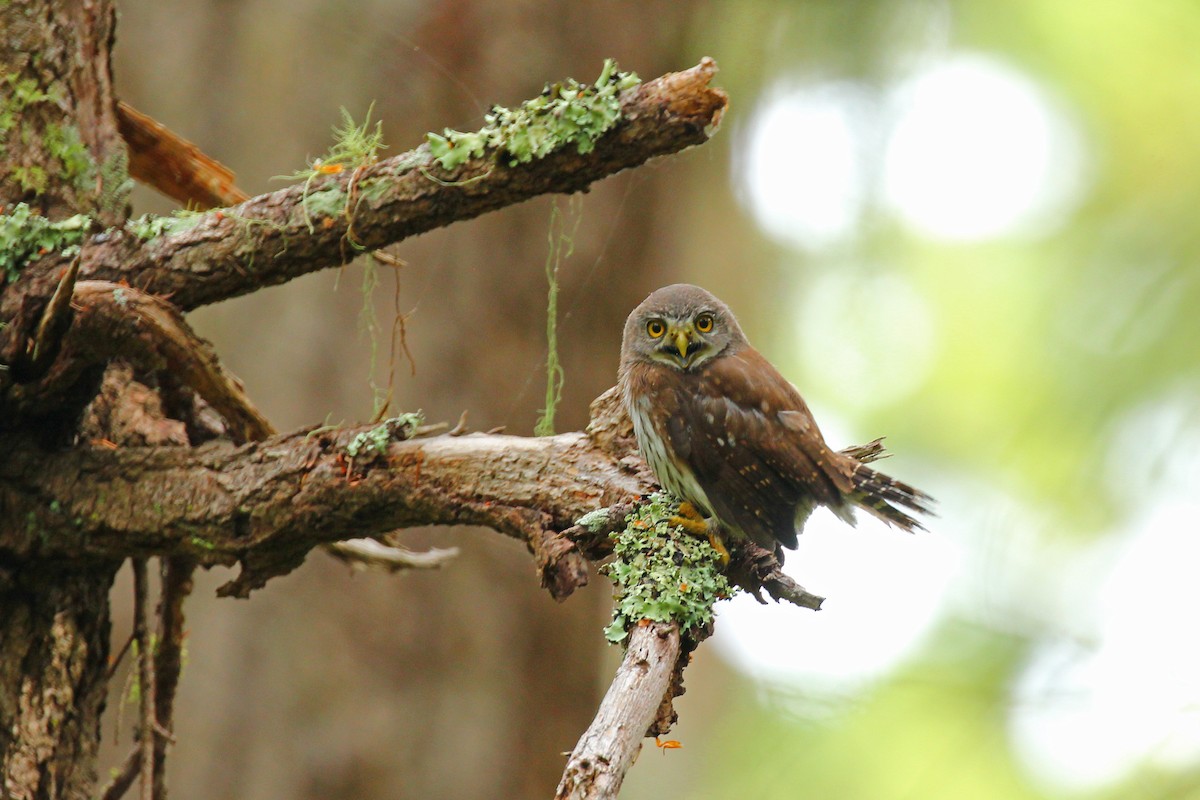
x=681 y=326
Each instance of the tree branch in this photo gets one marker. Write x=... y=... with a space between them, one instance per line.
x=273 y=238
x=109 y=320
x=597 y=766
x=267 y=504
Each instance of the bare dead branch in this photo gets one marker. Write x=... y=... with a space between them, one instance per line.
x=267 y=504
x=141 y=634
x=123 y=777
x=55 y=321
x=368 y=553
x=174 y=166
x=755 y=568
x=168 y=660
x=597 y=765
x=168 y=664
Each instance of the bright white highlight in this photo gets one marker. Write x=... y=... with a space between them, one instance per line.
x=979 y=151
x=1127 y=693
x=801 y=168
x=966 y=148
x=1087 y=714
x=885 y=591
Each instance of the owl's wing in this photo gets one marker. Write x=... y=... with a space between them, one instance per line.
x=755 y=449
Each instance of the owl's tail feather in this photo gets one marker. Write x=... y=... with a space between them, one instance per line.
x=885 y=497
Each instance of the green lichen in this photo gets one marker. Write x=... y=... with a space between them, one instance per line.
x=64 y=144
x=328 y=202
x=25 y=236
x=148 y=226
x=60 y=142
x=565 y=113
x=16 y=95
x=354 y=146
x=662 y=573
x=31 y=178
x=374 y=443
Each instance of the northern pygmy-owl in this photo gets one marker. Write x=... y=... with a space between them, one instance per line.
x=724 y=431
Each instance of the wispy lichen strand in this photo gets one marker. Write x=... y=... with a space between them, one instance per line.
x=565 y=113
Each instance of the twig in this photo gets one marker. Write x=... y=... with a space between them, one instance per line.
x=141 y=632
x=168 y=661
x=123 y=777
x=461 y=427
x=176 y=586
x=56 y=316
x=598 y=764
x=755 y=568
x=365 y=553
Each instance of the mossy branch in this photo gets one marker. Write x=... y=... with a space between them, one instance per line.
x=662 y=573
x=266 y=240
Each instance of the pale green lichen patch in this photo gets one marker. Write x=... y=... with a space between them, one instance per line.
x=374 y=443
x=16 y=95
x=565 y=113
x=328 y=202
x=148 y=226
x=661 y=573
x=61 y=142
x=594 y=520
x=25 y=236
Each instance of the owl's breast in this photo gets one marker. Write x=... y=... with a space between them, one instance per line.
x=652 y=406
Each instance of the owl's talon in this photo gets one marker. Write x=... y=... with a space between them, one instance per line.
x=693 y=522
x=698 y=528
x=690 y=519
x=689 y=511
x=719 y=546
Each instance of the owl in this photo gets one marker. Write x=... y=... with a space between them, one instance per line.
x=724 y=431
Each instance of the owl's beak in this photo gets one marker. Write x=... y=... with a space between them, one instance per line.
x=683 y=337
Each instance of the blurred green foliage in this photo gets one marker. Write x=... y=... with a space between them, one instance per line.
x=1045 y=343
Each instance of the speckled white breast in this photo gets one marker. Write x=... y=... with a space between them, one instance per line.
x=655 y=448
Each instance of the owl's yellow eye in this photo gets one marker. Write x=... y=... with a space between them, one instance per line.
x=656 y=328
x=704 y=323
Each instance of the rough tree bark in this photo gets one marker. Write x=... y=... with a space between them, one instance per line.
x=146 y=471
x=59 y=141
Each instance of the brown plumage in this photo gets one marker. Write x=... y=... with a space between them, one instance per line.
x=722 y=429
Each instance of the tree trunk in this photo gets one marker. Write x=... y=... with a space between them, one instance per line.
x=59 y=151
x=54 y=644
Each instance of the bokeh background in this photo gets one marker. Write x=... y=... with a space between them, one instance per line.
x=968 y=225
